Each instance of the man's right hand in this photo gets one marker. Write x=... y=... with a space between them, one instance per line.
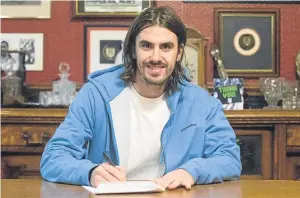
x=107 y=173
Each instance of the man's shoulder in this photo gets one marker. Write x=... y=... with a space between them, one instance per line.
x=198 y=94
x=194 y=90
x=106 y=74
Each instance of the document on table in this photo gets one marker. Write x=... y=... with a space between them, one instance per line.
x=125 y=187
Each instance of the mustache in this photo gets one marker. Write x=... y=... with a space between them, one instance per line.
x=156 y=63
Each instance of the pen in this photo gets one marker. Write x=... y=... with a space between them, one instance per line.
x=108 y=159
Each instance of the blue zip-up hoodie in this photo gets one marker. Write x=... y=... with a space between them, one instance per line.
x=196 y=138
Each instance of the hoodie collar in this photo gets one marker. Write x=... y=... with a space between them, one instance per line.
x=109 y=84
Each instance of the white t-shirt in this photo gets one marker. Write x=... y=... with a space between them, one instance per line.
x=138 y=124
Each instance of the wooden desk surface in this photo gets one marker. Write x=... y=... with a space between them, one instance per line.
x=15 y=188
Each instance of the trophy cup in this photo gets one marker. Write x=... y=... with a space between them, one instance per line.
x=228 y=90
x=219 y=63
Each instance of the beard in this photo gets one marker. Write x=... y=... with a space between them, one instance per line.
x=155 y=82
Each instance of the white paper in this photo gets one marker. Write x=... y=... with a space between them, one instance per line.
x=125 y=187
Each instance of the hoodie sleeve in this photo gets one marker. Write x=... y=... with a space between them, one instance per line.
x=63 y=157
x=221 y=154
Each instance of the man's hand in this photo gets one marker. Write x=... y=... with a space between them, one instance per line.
x=107 y=173
x=176 y=178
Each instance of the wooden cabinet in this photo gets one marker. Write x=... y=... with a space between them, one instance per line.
x=24 y=133
x=276 y=128
x=269 y=141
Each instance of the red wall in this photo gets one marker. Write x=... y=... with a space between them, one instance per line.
x=63 y=36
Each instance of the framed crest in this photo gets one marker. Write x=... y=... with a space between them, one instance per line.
x=103 y=46
x=248 y=40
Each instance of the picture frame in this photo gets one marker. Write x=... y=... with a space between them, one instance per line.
x=40 y=9
x=194 y=57
x=30 y=43
x=242 y=1
x=108 y=9
x=248 y=40
x=103 y=46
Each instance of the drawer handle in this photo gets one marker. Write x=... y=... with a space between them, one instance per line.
x=35 y=141
x=26 y=136
x=46 y=137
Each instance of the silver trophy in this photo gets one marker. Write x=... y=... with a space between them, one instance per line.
x=215 y=53
x=224 y=83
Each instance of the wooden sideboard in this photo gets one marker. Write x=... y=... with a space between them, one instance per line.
x=269 y=141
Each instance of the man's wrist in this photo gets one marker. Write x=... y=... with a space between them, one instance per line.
x=90 y=173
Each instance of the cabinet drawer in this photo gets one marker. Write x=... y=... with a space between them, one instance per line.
x=26 y=135
x=20 y=166
x=293 y=135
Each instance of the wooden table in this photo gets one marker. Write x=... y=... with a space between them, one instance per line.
x=15 y=188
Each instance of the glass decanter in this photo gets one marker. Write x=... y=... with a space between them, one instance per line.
x=63 y=89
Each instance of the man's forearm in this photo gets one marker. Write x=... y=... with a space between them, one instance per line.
x=213 y=170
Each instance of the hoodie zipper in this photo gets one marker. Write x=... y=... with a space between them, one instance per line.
x=163 y=156
x=112 y=138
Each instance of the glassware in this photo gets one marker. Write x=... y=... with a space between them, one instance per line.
x=63 y=90
x=64 y=85
x=291 y=102
x=272 y=90
x=12 y=85
x=291 y=88
x=45 y=98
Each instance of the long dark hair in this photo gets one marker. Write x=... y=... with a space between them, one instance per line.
x=163 y=17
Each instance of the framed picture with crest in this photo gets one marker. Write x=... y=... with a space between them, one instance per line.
x=248 y=40
x=103 y=46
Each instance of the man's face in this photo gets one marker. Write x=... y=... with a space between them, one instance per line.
x=156 y=55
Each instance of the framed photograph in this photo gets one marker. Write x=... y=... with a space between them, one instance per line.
x=26 y=9
x=194 y=57
x=109 y=8
x=30 y=43
x=241 y=1
x=103 y=46
x=190 y=62
x=248 y=40
x=12 y=60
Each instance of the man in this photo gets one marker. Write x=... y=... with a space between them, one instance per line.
x=146 y=117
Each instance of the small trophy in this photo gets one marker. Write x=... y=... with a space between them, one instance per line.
x=215 y=53
x=228 y=90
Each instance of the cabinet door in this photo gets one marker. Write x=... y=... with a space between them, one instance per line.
x=293 y=168
x=255 y=146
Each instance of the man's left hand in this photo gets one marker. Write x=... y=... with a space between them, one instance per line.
x=175 y=179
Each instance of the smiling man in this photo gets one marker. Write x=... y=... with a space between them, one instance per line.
x=146 y=116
